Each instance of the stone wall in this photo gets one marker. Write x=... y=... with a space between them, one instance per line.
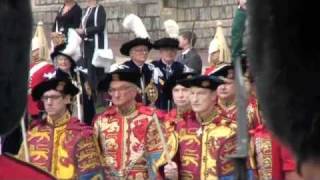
x=200 y=14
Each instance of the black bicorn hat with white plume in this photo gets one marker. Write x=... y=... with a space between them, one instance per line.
x=172 y=30
x=133 y=23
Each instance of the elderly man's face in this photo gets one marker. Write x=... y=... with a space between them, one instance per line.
x=139 y=54
x=168 y=55
x=122 y=92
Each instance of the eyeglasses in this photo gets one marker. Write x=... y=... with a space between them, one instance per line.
x=52 y=97
x=119 y=89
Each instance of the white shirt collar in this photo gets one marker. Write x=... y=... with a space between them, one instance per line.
x=186 y=51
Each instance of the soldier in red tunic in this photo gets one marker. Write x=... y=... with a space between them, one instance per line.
x=180 y=95
x=272 y=159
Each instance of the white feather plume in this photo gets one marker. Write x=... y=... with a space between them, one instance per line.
x=134 y=23
x=115 y=67
x=172 y=28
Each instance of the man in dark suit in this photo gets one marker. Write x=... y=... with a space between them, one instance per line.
x=189 y=55
x=169 y=67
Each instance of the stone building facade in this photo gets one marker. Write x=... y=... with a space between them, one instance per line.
x=200 y=14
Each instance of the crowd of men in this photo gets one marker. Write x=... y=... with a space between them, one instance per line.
x=166 y=119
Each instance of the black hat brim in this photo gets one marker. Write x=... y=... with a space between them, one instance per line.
x=174 y=81
x=207 y=82
x=132 y=77
x=167 y=43
x=56 y=53
x=126 y=47
x=40 y=89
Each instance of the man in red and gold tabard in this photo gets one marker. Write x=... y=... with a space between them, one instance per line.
x=226 y=97
x=60 y=144
x=128 y=132
x=204 y=140
x=180 y=96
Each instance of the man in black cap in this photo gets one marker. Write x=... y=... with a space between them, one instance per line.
x=169 y=67
x=127 y=131
x=180 y=96
x=204 y=139
x=60 y=144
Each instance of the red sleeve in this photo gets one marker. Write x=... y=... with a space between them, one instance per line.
x=288 y=162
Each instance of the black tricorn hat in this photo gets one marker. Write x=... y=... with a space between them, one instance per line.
x=123 y=74
x=176 y=80
x=57 y=80
x=202 y=81
x=126 y=47
x=167 y=43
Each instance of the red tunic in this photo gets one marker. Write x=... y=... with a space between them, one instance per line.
x=272 y=158
x=10 y=166
x=65 y=148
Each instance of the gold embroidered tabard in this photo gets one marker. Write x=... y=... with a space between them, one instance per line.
x=204 y=147
x=127 y=142
x=60 y=146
